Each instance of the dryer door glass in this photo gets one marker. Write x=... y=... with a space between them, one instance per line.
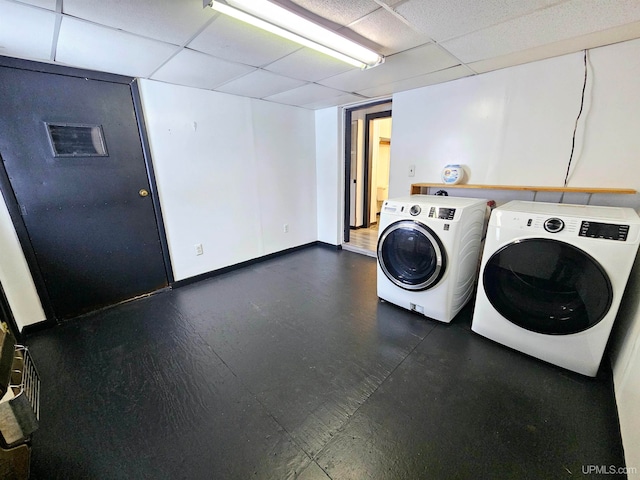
x=411 y=255
x=547 y=286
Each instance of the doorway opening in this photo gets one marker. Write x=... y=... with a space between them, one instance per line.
x=367 y=166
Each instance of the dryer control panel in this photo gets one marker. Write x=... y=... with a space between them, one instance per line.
x=608 y=231
x=442 y=213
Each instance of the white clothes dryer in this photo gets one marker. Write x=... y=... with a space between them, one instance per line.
x=428 y=252
x=552 y=277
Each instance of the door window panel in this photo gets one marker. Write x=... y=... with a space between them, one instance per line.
x=75 y=140
x=547 y=286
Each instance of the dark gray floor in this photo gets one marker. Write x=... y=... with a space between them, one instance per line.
x=292 y=368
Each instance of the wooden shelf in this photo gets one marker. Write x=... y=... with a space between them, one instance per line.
x=416 y=188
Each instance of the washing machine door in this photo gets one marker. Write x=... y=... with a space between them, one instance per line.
x=547 y=286
x=411 y=255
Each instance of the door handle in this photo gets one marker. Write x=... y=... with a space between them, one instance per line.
x=143 y=192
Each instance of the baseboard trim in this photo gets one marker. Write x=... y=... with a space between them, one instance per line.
x=46 y=324
x=253 y=261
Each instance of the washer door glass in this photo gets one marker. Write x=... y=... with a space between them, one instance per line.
x=411 y=255
x=547 y=286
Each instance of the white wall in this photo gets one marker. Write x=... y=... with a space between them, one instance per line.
x=515 y=126
x=15 y=276
x=330 y=175
x=231 y=172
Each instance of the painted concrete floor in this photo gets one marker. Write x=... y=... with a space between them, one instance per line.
x=292 y=368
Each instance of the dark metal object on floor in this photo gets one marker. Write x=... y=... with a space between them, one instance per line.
x=19 y=406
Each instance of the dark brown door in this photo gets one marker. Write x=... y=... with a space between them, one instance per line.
x=74 y=158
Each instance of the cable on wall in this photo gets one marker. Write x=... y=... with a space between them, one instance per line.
x=575 y=128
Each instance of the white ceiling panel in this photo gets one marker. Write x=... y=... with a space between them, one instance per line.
x=424 y=41
x=418 y=61
x=592 y=40
x=86 y=45
x=195 y=69
x=445 y=19
x=337 y=11
x=392 y=34
x=307 y=94
x=233 y=40
x=48 y=4
x=561 y=22
x=260 y=84
x=309 y=65
x=26 y=32
x=172 y=21
x=344 y=99
x=441 y=76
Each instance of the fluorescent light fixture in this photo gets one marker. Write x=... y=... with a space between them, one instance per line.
x=286 y=24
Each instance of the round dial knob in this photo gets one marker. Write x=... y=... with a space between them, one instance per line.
x=553 y=225
x=415 y=210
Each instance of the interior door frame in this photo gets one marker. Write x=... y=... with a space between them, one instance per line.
x=348 y=114
x=12 y=203
x=368 y=160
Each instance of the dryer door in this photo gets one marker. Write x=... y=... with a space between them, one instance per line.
x=411 y=255
x=547 y=286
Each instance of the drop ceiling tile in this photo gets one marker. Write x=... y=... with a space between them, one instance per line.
x=48 y=4
x=412 y=63
x=592 y=40
x=386 y=30
x=309 y=65
x=558 y=23
x=172 y=21
x=338 y=11
x=232 y=40
x=441 y=76
x=305 y=95
x=86 y=45
x=334 y=101
x=195 y=69
x=260 y=84
x=446 y=19
x=25 y=31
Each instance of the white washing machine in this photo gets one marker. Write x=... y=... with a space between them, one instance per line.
x=428 y=251
x=552 y=277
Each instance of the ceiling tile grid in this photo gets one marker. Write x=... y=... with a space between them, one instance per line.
x=195 y=69
x=542 y=27
x=260 y=84
x=87 y=45
x=446 y=19
x=309 y=65
x=48 y=4
x=26 y=32
x=387 y=30
x=414 y=62
x=232 y=40
x=425 y=42
x=171 y=21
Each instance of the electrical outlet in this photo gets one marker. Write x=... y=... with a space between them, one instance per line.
x=285 y=228
x=412 y=170
x=199 y=250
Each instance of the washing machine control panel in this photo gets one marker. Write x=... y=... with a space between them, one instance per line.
x=608 y=231
x=442 y=213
